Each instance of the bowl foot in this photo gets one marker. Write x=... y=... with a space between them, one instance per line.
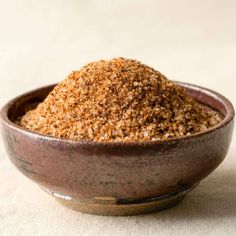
x=142 y=206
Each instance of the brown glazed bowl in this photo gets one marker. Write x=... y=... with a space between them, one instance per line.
x=117 y=178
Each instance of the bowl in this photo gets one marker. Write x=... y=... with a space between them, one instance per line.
x=117 y=178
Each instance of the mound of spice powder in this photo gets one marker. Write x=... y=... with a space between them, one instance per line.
x=118 y=100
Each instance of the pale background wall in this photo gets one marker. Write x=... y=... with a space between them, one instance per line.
x=193 y=41
x=42 y=41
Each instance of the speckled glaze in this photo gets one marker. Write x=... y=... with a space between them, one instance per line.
x=117 y=178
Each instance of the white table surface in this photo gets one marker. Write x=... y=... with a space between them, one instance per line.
x=192 y=41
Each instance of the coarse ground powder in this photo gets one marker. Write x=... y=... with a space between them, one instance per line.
x=119 y=100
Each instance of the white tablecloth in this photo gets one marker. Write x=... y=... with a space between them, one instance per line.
x=192 y=41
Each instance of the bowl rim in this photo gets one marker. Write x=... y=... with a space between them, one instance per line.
x=230 y=113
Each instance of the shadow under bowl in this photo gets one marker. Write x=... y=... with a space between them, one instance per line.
x=117 y=178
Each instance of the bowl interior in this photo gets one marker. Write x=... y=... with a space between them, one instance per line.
x=26 y=102
x=208 y=98
x=18 y=106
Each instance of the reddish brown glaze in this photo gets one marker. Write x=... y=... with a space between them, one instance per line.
x=121 y=171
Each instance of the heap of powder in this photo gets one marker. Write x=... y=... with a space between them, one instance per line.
x=118 y=100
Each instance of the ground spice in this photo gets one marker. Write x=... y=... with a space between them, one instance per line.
x=118 y=100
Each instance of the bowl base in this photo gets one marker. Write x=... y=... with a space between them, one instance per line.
x=142 y=206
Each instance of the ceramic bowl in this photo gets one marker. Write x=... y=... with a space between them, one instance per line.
x=117 y=178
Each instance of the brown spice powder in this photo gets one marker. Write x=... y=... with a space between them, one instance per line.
x=118 y=100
